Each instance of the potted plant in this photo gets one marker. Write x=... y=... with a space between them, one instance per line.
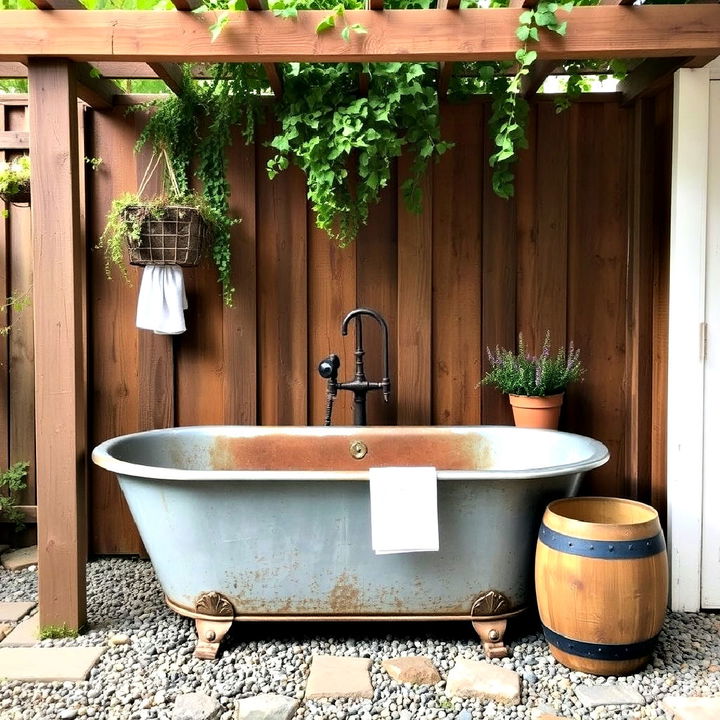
x=15 y=180
x=535 y=384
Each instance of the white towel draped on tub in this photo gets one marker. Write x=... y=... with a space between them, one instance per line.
x=403 y=509
x=162 y=300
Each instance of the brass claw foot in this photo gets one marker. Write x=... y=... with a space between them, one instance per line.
x=490 y=612
x=216 y=619
x=491 y=633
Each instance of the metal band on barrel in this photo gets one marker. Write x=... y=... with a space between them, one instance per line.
x=605 y=549
x=600 y=651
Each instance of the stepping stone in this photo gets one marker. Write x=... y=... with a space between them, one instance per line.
x=593 y=695
x=339 y=677
x=414 y=670
x=545 y=712
x=48 y=664
x=20 y=559
x=196 y=706
x=14 y=611
x=692 y=708
x=475 y=679
x=266 y=707
x=4 y=630
x=25 y=634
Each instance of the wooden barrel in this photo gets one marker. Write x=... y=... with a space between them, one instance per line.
x=601 y=578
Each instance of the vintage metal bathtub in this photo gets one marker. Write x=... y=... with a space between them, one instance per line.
x=248 y=523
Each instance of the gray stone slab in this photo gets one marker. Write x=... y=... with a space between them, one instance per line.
x=592 y=696
x=14 y=611
x=339 y=677
x=266 y=707
x=692 y=708
x=25 y=634
x=196 y=706
x=48 y=664
x=20 y=559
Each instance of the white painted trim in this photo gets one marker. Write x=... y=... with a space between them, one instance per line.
x=710 y=580
x=686 y=315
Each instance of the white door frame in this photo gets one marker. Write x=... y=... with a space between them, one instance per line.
x=687 y=328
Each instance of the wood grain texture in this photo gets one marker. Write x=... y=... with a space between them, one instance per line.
x=240 y=340
x=377 y=255
x=499 y=286
x=60 y=394
x=596 y=318
x=282 y=293
x=418 y=35
x=114 y=371
x=413 y=376
x=457 y=271
x=4 y=316
x=14 y=140
x=332 y=293
x=543 y=232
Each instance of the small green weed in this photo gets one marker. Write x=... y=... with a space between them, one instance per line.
x=55 y=632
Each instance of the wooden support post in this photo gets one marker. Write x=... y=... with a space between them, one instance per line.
x=60 y=394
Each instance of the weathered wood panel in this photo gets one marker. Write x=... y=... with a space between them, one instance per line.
x=470 y=271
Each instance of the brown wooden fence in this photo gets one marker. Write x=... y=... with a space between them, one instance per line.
x=581 y=251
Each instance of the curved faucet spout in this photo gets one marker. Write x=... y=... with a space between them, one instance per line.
x=359 y=352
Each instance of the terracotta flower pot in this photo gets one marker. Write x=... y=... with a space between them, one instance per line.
x=536 y=412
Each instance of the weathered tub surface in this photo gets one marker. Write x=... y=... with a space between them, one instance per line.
x=276 y=521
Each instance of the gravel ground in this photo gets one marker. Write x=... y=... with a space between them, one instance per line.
x=141 y=680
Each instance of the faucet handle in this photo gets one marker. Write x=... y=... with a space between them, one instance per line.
x=328 y=368
x=386 y=389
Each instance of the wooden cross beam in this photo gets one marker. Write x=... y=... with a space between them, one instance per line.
x=411 y=35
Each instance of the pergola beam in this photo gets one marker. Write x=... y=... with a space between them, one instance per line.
x=271 y=69
x=537 y=75
x=417 y=35
x=445 y=69
x=14 y=140
x=652 y=74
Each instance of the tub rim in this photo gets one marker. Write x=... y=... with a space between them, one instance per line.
x=598 y=455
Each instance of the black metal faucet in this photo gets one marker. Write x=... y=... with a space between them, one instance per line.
x=359 y=385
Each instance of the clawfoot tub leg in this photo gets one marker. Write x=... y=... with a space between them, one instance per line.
x=210 y=634
x=491 y=633
x=214 y=616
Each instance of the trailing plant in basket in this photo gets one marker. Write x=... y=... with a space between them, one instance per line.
x=540 y=375
x=127 y=214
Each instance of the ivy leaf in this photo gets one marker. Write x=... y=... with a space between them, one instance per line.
x=326 y=24
x=217 y=27
x=561 y=29
x=523 y=33
x=359 y=29
x=345 y=33
x=526 y=17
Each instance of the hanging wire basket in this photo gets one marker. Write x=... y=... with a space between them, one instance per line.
x=174 y=235
x=22 y=197
x=169 y=235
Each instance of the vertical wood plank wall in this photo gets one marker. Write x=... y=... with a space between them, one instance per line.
x=581 y=250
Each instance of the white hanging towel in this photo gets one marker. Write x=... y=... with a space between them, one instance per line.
x=403 y=509
x=162 y=300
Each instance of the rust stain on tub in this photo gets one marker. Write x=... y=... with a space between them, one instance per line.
x=283 y=450
x=344 y=598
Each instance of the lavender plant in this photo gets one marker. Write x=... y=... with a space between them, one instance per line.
x=539 y=375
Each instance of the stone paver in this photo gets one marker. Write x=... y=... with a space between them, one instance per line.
x=20 y=559
x=339 y=677
x=14 y=611
x=415 y=670
x=475 y=679
x=4 y=630
x=266 y=707
x=592 y=696
x=692 y=708
x=25 y=634
x=48 y=664
x=545 y=711
x=196 y=706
